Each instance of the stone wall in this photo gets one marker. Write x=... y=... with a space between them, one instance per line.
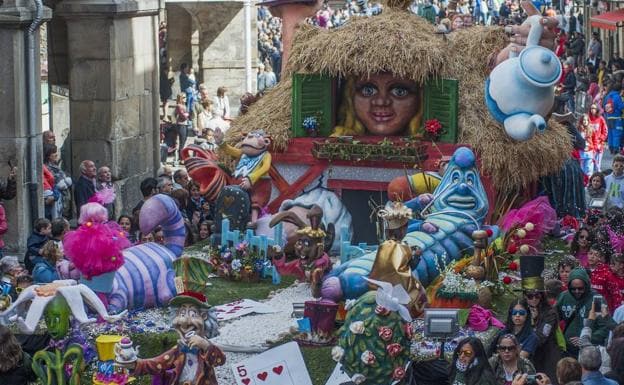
x=220 y=26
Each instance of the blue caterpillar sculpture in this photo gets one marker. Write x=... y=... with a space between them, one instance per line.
x=459 y=205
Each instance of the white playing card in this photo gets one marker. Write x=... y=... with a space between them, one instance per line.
x=338 y=377
x=240 y=308
x=282 y=365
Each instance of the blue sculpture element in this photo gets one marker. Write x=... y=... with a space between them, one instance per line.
x=459 y=204
x=520 y=91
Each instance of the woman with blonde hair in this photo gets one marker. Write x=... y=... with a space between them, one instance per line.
x=15 y=364
x=221 y=103
x=381 y=104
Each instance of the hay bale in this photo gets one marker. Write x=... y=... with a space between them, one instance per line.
x=406 y=45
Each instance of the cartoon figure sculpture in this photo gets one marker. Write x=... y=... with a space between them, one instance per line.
x=459 y=205
x=310 y=248
x=250 y=174
x=254 y=162
x=520 y=91
x=372 y=344
x=57 y=302
x=192 y=360
x=394 y=257
x=146 y=277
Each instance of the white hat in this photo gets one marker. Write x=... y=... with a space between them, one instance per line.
x=395 y=214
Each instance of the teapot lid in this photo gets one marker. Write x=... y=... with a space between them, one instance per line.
x=540 y=66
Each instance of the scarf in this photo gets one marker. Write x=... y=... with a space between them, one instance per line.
x=594 y=193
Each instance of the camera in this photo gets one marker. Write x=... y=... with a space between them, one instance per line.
x=531 y=379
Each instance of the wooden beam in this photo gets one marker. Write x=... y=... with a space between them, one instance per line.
x=294 y=189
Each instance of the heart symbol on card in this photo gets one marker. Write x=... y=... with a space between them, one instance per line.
x=246 y=381
x=263 y=376
x=278 y=369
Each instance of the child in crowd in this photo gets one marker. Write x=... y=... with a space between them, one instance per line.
x=553 y=288
x=204 y=230
x=565 y=266
x=125 y=222
x=146 y=238
x=596 y=192
x=45 y=264
x=36 y=240
x=195 y=203
x=60 y=227
x=602 y=278
x=579 y=247
x=617 y=267
x=615 y=183
x=158 y=235
x=15 y=364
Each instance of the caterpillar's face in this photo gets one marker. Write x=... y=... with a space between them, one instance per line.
x=461 y=188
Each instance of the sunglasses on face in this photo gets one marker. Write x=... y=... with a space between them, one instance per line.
x=577 y=289
x=506 y=348
x=466 y=353
x=519 y=312
x=532 y=295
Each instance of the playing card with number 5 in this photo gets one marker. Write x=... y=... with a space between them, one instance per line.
x=282 y=365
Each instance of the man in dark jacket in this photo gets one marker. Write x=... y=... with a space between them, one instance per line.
x=574 y=306
x=85 y=187
x=566 y=94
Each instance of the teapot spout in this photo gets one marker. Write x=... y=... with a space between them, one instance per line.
x=522 y=126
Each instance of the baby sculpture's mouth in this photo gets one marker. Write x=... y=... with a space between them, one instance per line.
x=382 y=116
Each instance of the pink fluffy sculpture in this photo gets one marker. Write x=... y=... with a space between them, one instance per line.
x=95 y=248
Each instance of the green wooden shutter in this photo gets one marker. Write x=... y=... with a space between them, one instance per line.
x=312 y=95
x=442 y=103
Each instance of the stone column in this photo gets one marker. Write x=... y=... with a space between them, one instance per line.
x=15 y=16
x=222 y=43
x=113 y=82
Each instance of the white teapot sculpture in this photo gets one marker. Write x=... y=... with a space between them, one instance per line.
x=520 y=91
x=124 y=352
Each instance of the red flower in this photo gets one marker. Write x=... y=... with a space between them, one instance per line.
x=512 y=248
x=385 y=333
x=433 y=127
x=570 y=221
x=513 y=266
x=394 y=349
x=489 y=232
x=507 y=280
x=398 y=373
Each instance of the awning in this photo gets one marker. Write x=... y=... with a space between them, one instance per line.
x=608 y=20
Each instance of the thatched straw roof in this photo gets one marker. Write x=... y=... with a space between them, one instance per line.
x=406 y=45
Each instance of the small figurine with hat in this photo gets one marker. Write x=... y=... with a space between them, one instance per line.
x=310 y=248
x=394 y=257
x=192 y=360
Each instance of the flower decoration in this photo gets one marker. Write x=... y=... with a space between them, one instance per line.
x=507 y=280
x=570 y=222
x=385 y=333
x=382 y=311
x=337 y=353
x=392 y=298
x=368 y=357
x=239 y=262
x=394 y=349
x=513 y=266
x=398 y=373
x=433 y=129
x=310 y=123
x=357 y=327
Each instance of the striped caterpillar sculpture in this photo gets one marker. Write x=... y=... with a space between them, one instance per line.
x=459 y=205
x=136 y=277
x=146 y=279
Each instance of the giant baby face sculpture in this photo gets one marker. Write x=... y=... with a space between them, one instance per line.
x=380 y=104
x=385 y=104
